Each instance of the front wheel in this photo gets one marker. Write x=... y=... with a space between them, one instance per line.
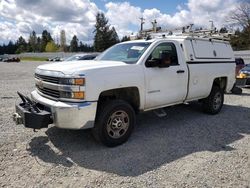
x=214 y=102
x=115 y=122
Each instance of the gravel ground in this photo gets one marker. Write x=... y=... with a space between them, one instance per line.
x=185 y=149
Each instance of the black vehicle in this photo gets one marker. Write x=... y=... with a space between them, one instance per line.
x=79 y=57
x=12 y=59
x=240 y=64
x=246 y=71
x=54 y=59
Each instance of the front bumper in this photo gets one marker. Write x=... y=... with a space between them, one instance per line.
x=69 y=115
x=63 y=114
x=32 y=115
x=248 y=81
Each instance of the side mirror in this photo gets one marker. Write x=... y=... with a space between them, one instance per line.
x=153 y=63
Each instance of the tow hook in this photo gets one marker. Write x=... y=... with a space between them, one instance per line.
x=17 y=118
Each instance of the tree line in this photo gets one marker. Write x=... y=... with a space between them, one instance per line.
x=45 y=43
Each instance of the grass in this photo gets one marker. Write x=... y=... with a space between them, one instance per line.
x=33 y=58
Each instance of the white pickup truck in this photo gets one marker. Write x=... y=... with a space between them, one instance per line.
x=105 y=94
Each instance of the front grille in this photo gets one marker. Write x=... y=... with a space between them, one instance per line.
x=50 y=79
x=49 y=92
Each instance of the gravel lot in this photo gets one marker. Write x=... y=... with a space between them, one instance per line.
x=185 y=149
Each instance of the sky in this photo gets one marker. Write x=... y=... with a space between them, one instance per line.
x=77 y=17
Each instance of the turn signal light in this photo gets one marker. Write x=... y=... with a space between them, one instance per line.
x=79 y=95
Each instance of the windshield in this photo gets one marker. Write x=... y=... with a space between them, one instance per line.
x=246 y=68
x=125 y=52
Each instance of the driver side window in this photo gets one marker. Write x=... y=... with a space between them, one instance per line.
x=166 y=50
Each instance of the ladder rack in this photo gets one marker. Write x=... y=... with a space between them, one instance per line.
x=208 y=34
x=216 y=36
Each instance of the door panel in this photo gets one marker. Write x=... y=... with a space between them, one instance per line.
x=166 y=85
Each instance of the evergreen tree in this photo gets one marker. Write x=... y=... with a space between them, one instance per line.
x=125 y=38
x=241 y=41
x=104 y=36
x=10 y=48
x=46 y=37
x=113 y=37
x=21 y=45
x=39 y=44
x=33 y=41
x=74 y=44
x=85 y=47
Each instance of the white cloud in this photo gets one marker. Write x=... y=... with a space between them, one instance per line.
x=122 y=14
x=217 y=10
x=199 y=12
x=22 y=16
x=77 y=17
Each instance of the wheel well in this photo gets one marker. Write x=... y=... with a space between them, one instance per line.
x=221 y=82
x=128 y=94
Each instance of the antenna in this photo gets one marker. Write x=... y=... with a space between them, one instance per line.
x=142 y=23
x=212 y=25
x=154 y=25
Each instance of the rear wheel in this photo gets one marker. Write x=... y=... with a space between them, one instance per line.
x=214 y=102
x=115 y=122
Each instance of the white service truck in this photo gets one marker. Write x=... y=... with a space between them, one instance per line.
x=106 y=93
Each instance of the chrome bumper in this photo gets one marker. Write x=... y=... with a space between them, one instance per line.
x=69 y=115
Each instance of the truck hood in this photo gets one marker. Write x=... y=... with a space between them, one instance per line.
x=74 y=67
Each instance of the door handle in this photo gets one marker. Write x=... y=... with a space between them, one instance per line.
x=180 y=71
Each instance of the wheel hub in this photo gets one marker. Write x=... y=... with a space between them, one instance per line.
x=117 y=123
x=217 y=101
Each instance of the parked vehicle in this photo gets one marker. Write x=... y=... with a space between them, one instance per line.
x=2 y=57
x=79 y=57
x=128 y=78
x=240 y=64
x=246 y=71
x=240 y=79
x=11 y=59
x=54 y=59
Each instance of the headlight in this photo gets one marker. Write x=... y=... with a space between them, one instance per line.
x=72 y=81
x=74 y=94
x=242 y=75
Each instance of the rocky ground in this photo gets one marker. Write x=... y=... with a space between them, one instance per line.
x=187 y=148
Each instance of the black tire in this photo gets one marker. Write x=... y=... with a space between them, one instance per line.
x=236 y=90
x=214 y=102
x=114 y=123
